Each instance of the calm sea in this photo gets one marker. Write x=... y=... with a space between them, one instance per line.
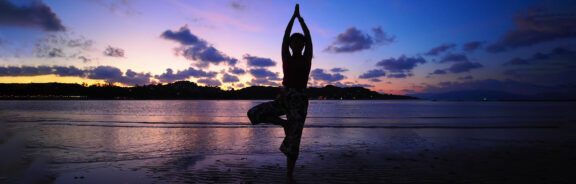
x=321 y=114
x=199 y=140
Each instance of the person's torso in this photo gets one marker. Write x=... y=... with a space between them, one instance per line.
x=296 y=70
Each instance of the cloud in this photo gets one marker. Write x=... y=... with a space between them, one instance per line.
x=237 y=6
x=400 y=75
x=454 y=58
x=536 y=25
x=262 y=81
x=353 y=40
x=68 y=71
x=438 y=72
x=227 y=78
x=375 y=80
x=319 y=75
x=516 y=61
x=84 y=59
x=339 y=70
x=557 y=66
x=511 y=86
x=61 y=45
x=555 y=53
x=112 y=74
x=206 y=55
x=464 y=67
x=105 y=72
x=170 y=76
x=183 y=36
x=118 y=6
x=109 y=74
x=259 y=61
x=114 y=52
x=471 y=46
x=209 y=82
x=55 y=52
x=236 y=70
x=468 y=77
x=35 y=15
x=400 y=67
x=439 y=49
x=373 y=74
x=194 y=48
x=40 y=70
x=263 y=73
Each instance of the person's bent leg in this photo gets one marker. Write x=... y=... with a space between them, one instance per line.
x=268 y=112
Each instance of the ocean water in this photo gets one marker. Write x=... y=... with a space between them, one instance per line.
x=155 y=140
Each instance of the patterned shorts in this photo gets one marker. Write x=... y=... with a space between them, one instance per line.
x=292 y=103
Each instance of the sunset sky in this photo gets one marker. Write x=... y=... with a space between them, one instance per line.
x=398 y=47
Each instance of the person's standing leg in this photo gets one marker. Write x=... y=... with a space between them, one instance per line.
x=296 y=104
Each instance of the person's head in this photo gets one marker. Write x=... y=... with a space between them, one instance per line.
x=297 y=43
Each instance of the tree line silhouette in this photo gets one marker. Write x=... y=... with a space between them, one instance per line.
x=176 y=90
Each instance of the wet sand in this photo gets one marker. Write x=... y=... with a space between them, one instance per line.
x=329 y=155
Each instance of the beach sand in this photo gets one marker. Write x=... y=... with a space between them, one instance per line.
x=86 y=154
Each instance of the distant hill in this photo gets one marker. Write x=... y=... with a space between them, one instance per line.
x=489 y=95
x=176 y=90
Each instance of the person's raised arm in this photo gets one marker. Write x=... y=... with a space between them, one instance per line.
x=308 y=52
x=286 y=40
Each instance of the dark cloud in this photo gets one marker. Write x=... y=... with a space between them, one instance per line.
x=373 y=74
x=114 y=52
x=227 y=78
x=375 y=80
x=259 y=61
x=133 y=78
x=536 y=25
x=471 y=46
x=109 y=74
x=206 y=55
x=183 y=36
x=210 y=82
x=237 y=6
x=558 y=52
x=517 y=61
x=400 y=67
x=339 y=70
x=40 y=70
x=438 y=72
x=237 y=71
x=400 y=75
x=261 y=82
x=105 y=72
x=454 y=58
x=170 y=76
x=464 y=67
x=194 y=48
x=319 y=75
x=353 y=40
x=112 y=74
x=511 y=86
x=36 y=15
x=68 y=71
x=554 y=67
x=263 y=73
x=442 y=48
x=468 y=77
x=55 y=52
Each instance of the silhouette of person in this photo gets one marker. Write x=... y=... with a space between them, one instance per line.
x=291 y=101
